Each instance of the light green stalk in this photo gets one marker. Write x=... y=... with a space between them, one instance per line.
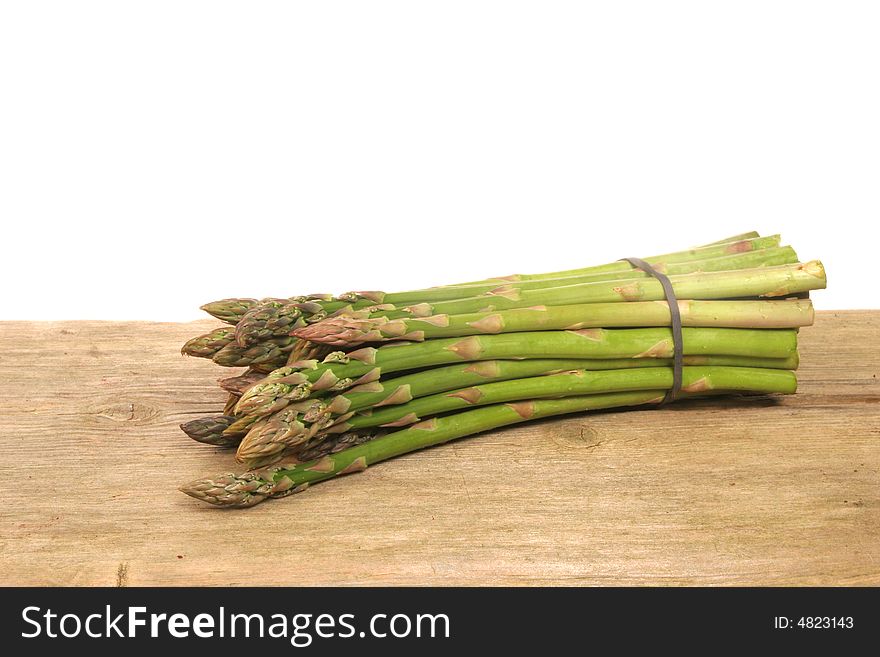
x=747 y=260
x=766 y=282
x=229 y=310
x=231 y=401
x=312 y=450
x=209 y=430
x=298 y=422
x=577 y=382
x=244 y=490
x=268 y=352
x=401 y=389
x=699 y=253
x=341 y=371
x=277 y=317
x=238 y=384
x=349 y=331
x=406 y=399
x=208 y=344
x=250 y=488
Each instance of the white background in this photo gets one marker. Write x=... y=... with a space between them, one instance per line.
x=157 y=155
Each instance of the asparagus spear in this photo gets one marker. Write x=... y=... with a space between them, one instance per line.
x=293 y=424
x=410 y=402
x=231 y=401
x=747 y=260
x=229 y=310
x=208 y=344
x=350 y=331
x=744 y=242
x=238 y=384
x=209 y=430
x=340 y=371
x=404 y=388
x=699 y=253
x=304 y=350
x=768 y=282
x=215 y=430
x=276 y=318
x=233 y=310
x=219 y=345
x=577 y=382
x=321 y=446
x=239 y=426
x=332 y=444
x=268 y=352
x=284 y=427
x=244 y=490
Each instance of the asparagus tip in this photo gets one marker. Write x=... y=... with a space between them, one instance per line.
x=229 y=490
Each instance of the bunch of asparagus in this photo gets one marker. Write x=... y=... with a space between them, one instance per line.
x=337 y=383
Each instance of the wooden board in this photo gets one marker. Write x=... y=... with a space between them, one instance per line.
x=703 y=492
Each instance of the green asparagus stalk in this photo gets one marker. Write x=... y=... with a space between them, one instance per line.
x=488 y=344
x=699 y=253
x=242 y=425
x=279 y=319
x=231 y=401
x=208 y=344
x=268 y=352
x=238 y=384
x=404 y=388
x=434 y=379
x=209 y=430
x=341 y=371
x=250 y=488
x=577 y=382
x=347 y=331
x=232 y=311
x=229 y=310
x=333 y=444
x=221 y=430
x=408 y=398
x=296 y=423
x=254 y=321
x=766 y=282
x=305 y=350
x=321 y=446
x=681 y=256
x=219 y=345
x=747 y=260
x=276 y=318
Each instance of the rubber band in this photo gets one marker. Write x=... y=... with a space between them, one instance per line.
x=675 y=317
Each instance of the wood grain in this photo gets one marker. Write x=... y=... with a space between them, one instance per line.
x=726 y=491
